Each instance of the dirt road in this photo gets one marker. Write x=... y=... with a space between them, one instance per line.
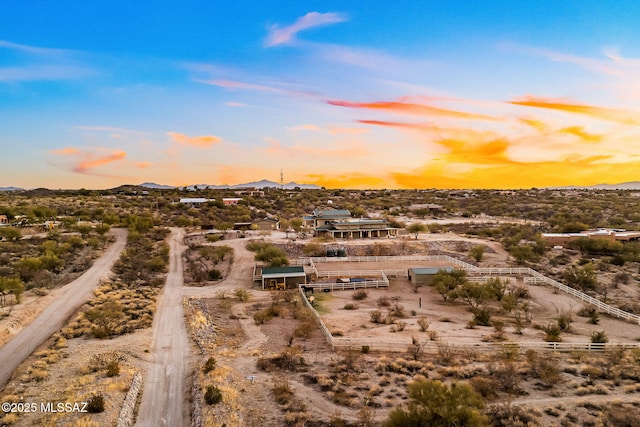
x=53 y=318
x=164 y=388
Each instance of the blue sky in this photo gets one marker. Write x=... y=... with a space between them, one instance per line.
x=448 y=94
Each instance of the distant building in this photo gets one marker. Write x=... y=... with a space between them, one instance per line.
x=227 y=201
x=561 y=239
x=195 y=201
x=340 y=224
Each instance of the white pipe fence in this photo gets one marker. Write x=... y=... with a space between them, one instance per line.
x=530 y=276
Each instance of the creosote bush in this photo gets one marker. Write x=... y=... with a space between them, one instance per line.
x=95 y=404
x=212 y=395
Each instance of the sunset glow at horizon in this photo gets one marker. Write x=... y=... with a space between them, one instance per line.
x=341 y=94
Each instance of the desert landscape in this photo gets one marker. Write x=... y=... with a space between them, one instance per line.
x=171 y=325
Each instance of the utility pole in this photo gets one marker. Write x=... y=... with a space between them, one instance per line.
x=281 y=179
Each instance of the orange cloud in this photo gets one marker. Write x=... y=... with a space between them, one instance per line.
x=196 y=141
x=86 y=165
x=410 y=108
x=83 y=161
x=351 y=180
x=564 y=172
x=609 y=114
x=68 y=151
x=579 y=132
x=142 y=165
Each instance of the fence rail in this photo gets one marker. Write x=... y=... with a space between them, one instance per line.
x=399 y=346
x=343 y=286
x=530 y=276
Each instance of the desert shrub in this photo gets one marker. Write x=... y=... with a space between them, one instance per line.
x=482 y=316
x=359 y=295
x=485 y=386
x=552 y=332
x=376 y=316
x=350 y=306
x=423 y=323
x=599 y=337
x=398 y=326
x=212 y=395
x=214 y=274
x=242 y=295
x=434 y=403
x=304 y=329
x=282 y=390
x=564 y=320
x=398 y=310
x=265 y=315
x=383 y=301
x=113 y=369
x=95 y=404
x=209 y=365
x=289 y=360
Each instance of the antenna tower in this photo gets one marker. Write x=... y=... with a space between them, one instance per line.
x=281 y=179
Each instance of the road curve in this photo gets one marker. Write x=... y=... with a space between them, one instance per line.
x=56 y=314
x=163 y=394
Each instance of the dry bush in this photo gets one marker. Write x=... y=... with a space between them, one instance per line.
x=360 y=294
x=289 y=360
x=383 y=301
x=423 y=323
x=281 y=390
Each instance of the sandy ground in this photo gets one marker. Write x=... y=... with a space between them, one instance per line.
x=164 y=386
x=249 y=341
x=56 y=314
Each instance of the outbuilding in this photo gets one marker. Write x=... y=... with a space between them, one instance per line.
x=283 y=277
x=424 y=275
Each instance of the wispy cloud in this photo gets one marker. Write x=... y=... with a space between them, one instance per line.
x=287 y=35
x=330 y=130
x=609 y=114
x=84 y=161
x=34 y=50
x=279 y=88
x=194 y=141
x=32 y=63
x=236 y=104
x=400 y=107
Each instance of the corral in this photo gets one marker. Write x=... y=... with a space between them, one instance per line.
x=392 y=317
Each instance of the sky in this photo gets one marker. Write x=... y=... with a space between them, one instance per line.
x=342 y=94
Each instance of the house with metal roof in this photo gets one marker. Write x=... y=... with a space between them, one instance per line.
x=339 y=224
x=194 y=201
x=282 y=277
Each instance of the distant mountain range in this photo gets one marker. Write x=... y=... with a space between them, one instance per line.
x=265 y=183
x=11 y=189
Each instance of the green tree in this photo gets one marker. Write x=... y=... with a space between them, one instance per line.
x=583 y=278
x=83 y=229
x=477 y=252
x=12 y=285
x=435 y=404
x=10 y=233
x=416 y=228
x=446 y=283
x=522 y=253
